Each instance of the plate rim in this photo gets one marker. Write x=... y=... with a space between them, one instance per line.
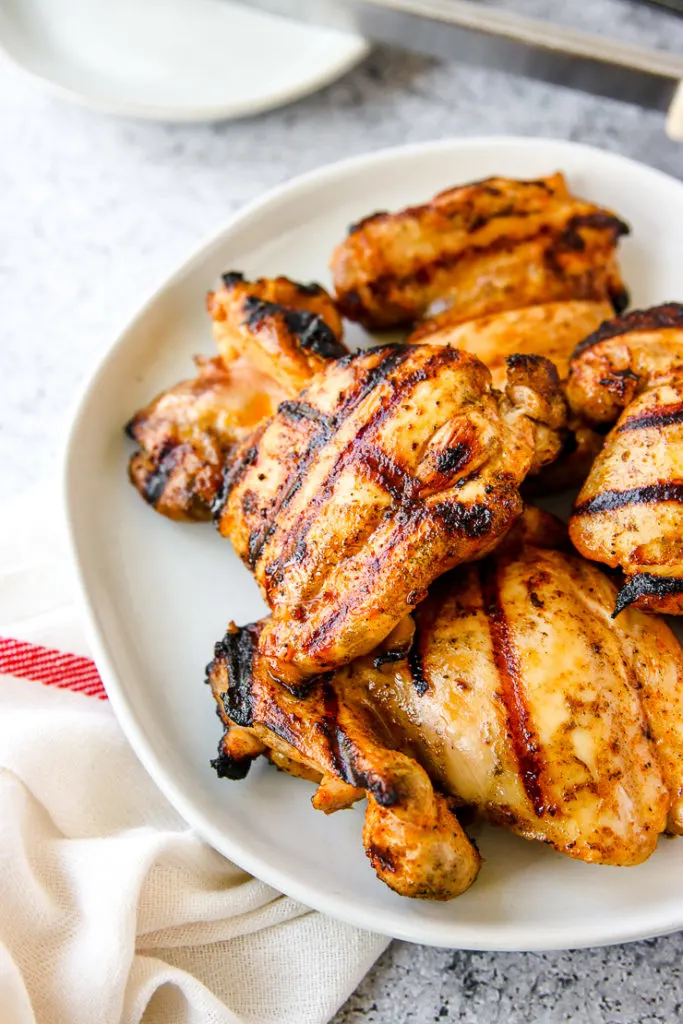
x=357 y=50
x=451 y=933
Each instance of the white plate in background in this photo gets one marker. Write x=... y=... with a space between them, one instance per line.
x=158 y=594
x=172 y=60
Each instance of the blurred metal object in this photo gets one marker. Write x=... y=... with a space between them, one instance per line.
x=472 y=33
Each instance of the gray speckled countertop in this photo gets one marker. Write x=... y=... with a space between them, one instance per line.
x=95 y=211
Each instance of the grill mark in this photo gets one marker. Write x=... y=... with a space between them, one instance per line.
x=407 y=521
x=354 y=447
x=295 y=412
x=311 y=330
x=343 y=753
x=235 y=471
x=558 y=237
x=608 y=501
x=416 y=664
x=646 y=584
x=237 y=651
x=660 y=416
x=668 y=315
x=394 y=357
x=391 y=476
x=154 y=484
x=524 y=740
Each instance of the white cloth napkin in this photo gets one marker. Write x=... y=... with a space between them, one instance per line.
x=111 y=908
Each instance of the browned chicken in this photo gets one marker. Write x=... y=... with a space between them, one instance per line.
x=630 y=510
x=186 y=434
x=337 y=738
x=551 y=329
x=393 y=466
x=273 y=335
x=515 y=691
x=287 y=330
x=481 y=248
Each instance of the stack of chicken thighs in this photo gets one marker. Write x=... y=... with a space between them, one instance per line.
x=435 y=643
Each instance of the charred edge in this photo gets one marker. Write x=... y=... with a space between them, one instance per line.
x=232 y=277
x=237 y=651
x=658 y=318
x=620 y=383
x=312 y=288
x=381 y=859
x=472 y=520
x=645 y=584
x=608 y=501
x=388 y=658
x=390 y=475
x=227 y=767
x=506 y=661
x=154 y=484
x=661 y=416
x=129 y=428
x=296 y=411
x=395 y=355
x=620 y=299
x=310 y=330
x=416 y=664
x=601 y=220
x=343 y=754
x=232 y=476
x=451 y=460
x=359 y=224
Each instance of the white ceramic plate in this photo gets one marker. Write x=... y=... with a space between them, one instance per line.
x=173 y=60
x=158 y=594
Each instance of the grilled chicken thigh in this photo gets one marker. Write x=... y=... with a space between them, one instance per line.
x=630 y=510
x=393 y=466
x=273 y=335
x=481 y=248
x=286 y=329
x=337 y=738
x=514 y=690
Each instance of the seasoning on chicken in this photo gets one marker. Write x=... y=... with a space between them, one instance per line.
x=481 y=248
x=413 y=839
x=273 y=334
x=630 y=510
x=515 y=691
x=186 y=434
x=394 y=465
x=287 y=330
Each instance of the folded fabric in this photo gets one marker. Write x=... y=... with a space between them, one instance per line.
x=111 y=908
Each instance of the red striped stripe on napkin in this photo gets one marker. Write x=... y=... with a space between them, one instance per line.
x=51 y=667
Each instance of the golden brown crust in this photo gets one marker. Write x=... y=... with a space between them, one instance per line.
x=186 y=434
x=481 y=248
x=287 y=330
x=623 y=357
x=412 y=839
x=393 y=466
x=629 y=512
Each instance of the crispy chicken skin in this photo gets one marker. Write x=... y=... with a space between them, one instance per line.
x=396 y=464
x=186 y=433
x=481 y=248
x=273 y=335
x=623 y=357
x=287 y=330
x=512 y=687
x=629 y=512
x=336 y=738
x=550 y=329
